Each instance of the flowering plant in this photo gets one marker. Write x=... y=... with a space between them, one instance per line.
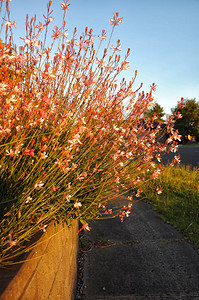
x=67 y=143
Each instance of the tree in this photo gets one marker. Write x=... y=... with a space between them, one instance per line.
x=188 y=124
x=156 y=110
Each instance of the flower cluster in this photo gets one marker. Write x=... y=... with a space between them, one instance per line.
x=67 y=144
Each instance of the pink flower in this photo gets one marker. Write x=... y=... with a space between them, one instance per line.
x=128 y=213
x=9 y=24
x=158 y=190
x=64 y=5
x=153 y=87
x=102 y=36
x=50 y=19
x=125 y=65
x=10 y=241
x=156 y=173
x=177 y=158
x=181 y=103
x=85 y=226
x=176 y=136
x=29 y=152
x=43 y=227
x=43 y=155
x=43 y=114
x=115 y=21
x=38 y=185
x=139 y=191
x=179 y=116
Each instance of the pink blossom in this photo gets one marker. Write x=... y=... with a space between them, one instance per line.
x=156 y=173
x=29 y=152
x=139 y=191
x=158 y=190
x=115 y=21
x=102 y=36
x=10 y=241
x=77 y=204
x=43 y=227
x=86 y=226
x=64 y=5
x=38 y=185
x=125 y=65
x=50 y=19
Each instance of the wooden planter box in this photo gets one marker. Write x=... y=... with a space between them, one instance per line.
x=49 y=271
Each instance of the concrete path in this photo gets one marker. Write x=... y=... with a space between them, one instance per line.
x=142 y=258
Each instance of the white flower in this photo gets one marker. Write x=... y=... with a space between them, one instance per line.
x=158 y=190
x=86 y=226
x=43 y=155
x=158 y=158
x=28 y=199
x=68 y=197
x=38 y=185
x=10 y=241
x=43 y=228
x=77 y=204
x=12 y=153
x=128 y=213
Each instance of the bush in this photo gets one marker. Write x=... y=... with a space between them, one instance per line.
x=67 y=143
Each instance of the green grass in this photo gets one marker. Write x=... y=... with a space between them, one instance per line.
x=179 y=202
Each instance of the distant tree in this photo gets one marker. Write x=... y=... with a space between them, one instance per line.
x=156 y=110
x=189 y=123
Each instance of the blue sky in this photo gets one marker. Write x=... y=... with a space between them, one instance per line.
x=163 y=36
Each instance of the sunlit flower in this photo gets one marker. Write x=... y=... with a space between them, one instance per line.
x=153 y=87
x=64 y=5
x=158 y=190
x=28 y=199
x=44 y=155
x=10 y=241
x=43 y=227
x=77 y=204
x=29 y=152
x=9 y=24
x=156 y=173
x=177 y=158
x=68 y=197
x=50 y=19
x=115 y=21
x=102 y=36
x=139 y=191
x=125 y=65
x=38 y=185
x=181 y=103
x=176 y=136
x=128 y=213
x=85 y=226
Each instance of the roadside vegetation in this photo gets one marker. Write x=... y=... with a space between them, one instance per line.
x=177 y=199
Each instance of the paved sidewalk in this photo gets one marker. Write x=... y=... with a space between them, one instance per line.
x=142 y=258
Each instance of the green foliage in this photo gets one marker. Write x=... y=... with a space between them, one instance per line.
x=157 y=111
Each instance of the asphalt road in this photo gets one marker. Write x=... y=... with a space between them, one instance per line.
x=189 y=155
